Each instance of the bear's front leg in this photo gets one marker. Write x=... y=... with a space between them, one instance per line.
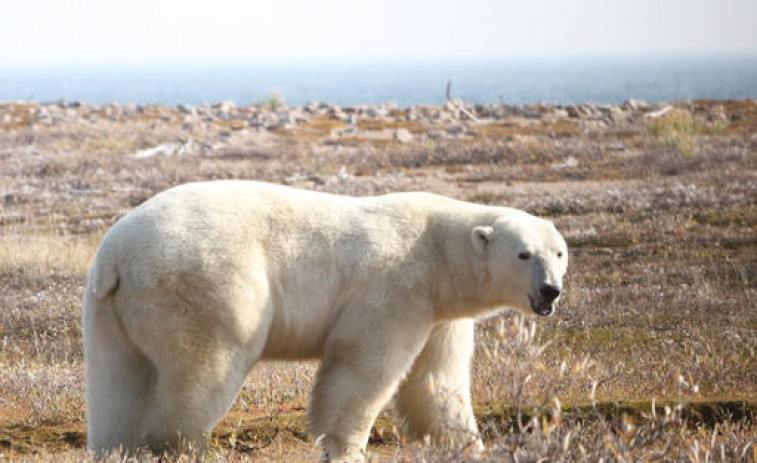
x=365 y=356
x=435 y=399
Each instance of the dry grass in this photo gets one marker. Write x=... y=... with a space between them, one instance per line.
x=676 y=129
x=659 y=310
x=40 y=255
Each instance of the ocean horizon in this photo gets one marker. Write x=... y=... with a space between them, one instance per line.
x=404 y=82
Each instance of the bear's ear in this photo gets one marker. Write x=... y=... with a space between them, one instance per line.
x=481 y=237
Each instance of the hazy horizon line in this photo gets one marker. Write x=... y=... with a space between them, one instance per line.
x=388 y=59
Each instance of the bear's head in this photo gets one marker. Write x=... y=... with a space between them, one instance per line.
x=525 y=259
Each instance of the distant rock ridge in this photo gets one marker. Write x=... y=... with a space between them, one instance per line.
x=378 y=122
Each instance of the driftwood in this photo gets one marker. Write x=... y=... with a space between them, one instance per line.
x=458 y=104
x=658 y=113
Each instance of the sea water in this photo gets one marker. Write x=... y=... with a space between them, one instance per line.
x=405 y=82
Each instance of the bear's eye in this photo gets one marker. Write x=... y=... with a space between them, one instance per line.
x=524 y=255
x=559 y=254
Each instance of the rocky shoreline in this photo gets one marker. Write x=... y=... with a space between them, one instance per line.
x=333 y=124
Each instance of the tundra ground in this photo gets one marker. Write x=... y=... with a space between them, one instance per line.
x=651 y=355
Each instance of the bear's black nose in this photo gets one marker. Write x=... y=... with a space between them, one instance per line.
x=549 y=292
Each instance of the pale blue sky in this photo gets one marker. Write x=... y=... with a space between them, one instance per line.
x=71 y=31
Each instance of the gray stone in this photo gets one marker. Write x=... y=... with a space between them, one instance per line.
x=336 y=113
x=349 y=130
x=225 y=108
x=403 y=136
x=376 y=113
x=717 y=114
x=312 y=107
x=635 y=105
x=617 y=147
x=130 y=109
x=457 y=130
x=573 y=111
x=187 y=109
x=569 y=162
x=285 y=116
x=561 y=113
x=436 y=134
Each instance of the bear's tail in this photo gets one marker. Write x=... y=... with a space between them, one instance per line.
x=103 y=277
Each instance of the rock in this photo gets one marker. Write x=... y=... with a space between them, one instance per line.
x=281 y=125
x=436 y=134
x=312 y=107
x=336 y=113
x=589 y=110
x=570 y=162
x=351 y=119
x=160 y=150
x=561 y=113
x=717 y=114
x=605 y=110
x=457 y=130
x=658 y=113
x=85 y=191
x=285 y=116
x=295 y=178
x=168 y=149
x=187 y=109
x=533 y=115
x=344 y=131
x=618 y=147
x=376 y=113
x=130 y=109
x=225 y=108
x=403 y=136
x=635 y=105
x=112 y=110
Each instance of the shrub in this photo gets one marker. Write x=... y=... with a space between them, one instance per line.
x=676 y=129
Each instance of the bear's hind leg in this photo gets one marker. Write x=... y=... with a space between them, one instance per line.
x=434 y=399
x=119 y=381
x=192 y=395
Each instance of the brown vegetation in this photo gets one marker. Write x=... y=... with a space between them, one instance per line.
x=651 y=356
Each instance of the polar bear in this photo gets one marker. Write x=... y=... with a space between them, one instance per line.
x=192 y=288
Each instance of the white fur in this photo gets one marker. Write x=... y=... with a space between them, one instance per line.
x=193 y=287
